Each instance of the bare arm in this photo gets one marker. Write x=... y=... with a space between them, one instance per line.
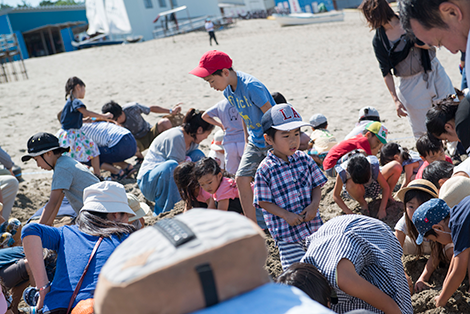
x=454 y=278
x=401 y=111
x=211 y=120
x=87 y=113
x=310 y=212
x=353 y=284
x=409 y=173
x=266 y=107
x=385 y=196
x=291 y=218
x=52 y=208
x=337 y=196
x=429 y=268
x=401 y=237
x=223 y=204
x=211 y=203
x=32 y=246
x=157 y=109
x=245 y=131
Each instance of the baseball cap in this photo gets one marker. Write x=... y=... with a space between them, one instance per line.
x=210 y=62
x=378 y=129
x=216 y=143
x=106 y=197
x=140 y=209
x=41 y=143
x=429 y=214
x=455 y=190
x=317 y=119
x=282 y=117
x=368 y=112
x=418 y=184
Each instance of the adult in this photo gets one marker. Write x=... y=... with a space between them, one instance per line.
x=210 y=30
x=8 y=186
x=104 y=215
x=421 y=80
x=172 y=147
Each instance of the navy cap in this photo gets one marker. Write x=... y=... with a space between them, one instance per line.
x=429 y=214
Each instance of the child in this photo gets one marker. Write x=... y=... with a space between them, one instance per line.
x=288 y=184
x=435 y=221
x=321 y=140
x=438 y=172
x=366 y=116
x=70 y=178
x=234 y=139
x=361 y=259
x=217 y=150
x=370 y=141
x=224 y=190
x=81 y=147
x=252 y=99
x=430 y=149
x=190 y=191
x=361 y=177
x=130 y=117
x=416 y=193
x=397 y=159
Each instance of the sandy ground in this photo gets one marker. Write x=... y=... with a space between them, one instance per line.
x=327 y=68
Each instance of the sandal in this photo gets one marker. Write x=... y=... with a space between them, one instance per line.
x=139 y=161
x=130 y=171
x=119 y=176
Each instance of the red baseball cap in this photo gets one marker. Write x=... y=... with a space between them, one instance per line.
x=210 y=62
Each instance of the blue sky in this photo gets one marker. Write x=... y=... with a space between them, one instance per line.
x=14 y=3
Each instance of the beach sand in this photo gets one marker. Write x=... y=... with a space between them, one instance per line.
x=327 y=68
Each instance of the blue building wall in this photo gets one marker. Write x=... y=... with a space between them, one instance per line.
x=4 y=25
x=67 y=37
x=22 y=45
x=25 y=21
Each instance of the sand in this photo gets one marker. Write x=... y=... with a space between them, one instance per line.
x=326 y=68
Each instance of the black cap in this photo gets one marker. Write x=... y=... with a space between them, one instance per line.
x=39 y=144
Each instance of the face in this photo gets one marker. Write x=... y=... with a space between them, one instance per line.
x=375 y=143
x=433 y=156
x=450 y=134
x=120 y=217
x=210 y=183
x=121 y=118
x=41 y=163
x=79 y=91
x=285 y=143
x=411 y=206
x=443 y=233
x=217 y=82
x=201 y=135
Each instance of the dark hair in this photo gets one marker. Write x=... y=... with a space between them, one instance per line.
x=70 y=85
x=422 y=197
x=193 y=121
x=307 y=278
x=98 y=224
x=112 y=107
x=219 y=72
x=279 y=98
x=376 y=12
x=270 y=132
x=186 y=183
x=61 y=150
x=206 y=165
x=428 y=144
x=359 y=169
x=321 y=126
x=438 y=115
x=437 y=170
x=389 y=150
x=437 y=249
x=425 y=12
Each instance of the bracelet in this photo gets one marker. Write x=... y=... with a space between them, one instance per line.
x=45 y=287
x=171 y=111
x=93 y=118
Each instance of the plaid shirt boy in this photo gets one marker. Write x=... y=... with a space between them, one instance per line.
x=289 y=185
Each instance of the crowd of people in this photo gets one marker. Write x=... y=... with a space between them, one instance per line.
x=263 y=166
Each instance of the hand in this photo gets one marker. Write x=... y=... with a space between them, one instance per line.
x=293 y=219
x=439 y=301
x=422 y=285
x=401 y=111
x=11 y=171
x=176 y=109
x=309 y=213
x=108 y=115
x=381 y=214
x=42 y=295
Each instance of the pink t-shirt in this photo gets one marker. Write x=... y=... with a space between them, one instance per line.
x=203 y=195
x=227 y=190
x=419 y=175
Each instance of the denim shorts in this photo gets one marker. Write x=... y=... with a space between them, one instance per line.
x=124 y=149
x=252 y=157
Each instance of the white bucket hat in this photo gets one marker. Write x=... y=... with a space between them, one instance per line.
x=455 y=190
x=106 y=197
x=140 y=209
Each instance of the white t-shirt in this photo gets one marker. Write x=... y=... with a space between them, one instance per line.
x=358 y=129
x=209 y=26
x=464 y=165
x=401 y=225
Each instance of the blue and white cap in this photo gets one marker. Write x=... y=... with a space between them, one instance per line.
x=429 y=214
x=282 y=117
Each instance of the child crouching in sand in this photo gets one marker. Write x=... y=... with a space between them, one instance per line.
x=397 y=159
x=224 y=190
x=190 y=191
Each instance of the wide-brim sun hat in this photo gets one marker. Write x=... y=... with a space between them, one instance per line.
x=106 y=197
x=41 y=143
x=418 y=184
x=454 y=190
x=140 y=209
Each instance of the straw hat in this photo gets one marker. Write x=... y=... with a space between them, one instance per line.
x=418 y=184
x=454 y=190
x=140 y=209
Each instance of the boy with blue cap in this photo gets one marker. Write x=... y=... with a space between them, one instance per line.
x=436 y=221
x=288 y=184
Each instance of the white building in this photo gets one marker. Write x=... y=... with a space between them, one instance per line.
x=242 y=7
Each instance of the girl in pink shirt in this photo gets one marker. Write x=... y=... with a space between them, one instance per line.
x=190 y=191
x=224 y=190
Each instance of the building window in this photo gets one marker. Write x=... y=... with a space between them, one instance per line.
x=148 y=4
x=162 y=3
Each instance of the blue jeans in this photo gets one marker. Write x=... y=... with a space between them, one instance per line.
x=124 y=149
x=158 y=184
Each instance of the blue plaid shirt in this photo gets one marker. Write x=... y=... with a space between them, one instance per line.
x=289 y=185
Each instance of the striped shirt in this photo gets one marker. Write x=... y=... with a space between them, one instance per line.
x=374 y=251
x=104 y=134
x=289 y=185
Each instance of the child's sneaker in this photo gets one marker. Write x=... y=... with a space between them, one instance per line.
x=31 y=296
x=6 y=240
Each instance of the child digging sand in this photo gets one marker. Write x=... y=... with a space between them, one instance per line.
x=252 y=99
x=397 y=159
x=288 y=185
x=321 y=140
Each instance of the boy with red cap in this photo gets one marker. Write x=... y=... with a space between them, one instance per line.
x=252 y=99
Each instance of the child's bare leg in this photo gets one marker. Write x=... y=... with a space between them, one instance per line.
x=304 y=140
x=357 y=192
x=121 y=164
x=163 y=125
x=138 y=154
x=391 y=173
x=110 y=168
x=246 y=196
x=95 y=163
x=317 y=160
